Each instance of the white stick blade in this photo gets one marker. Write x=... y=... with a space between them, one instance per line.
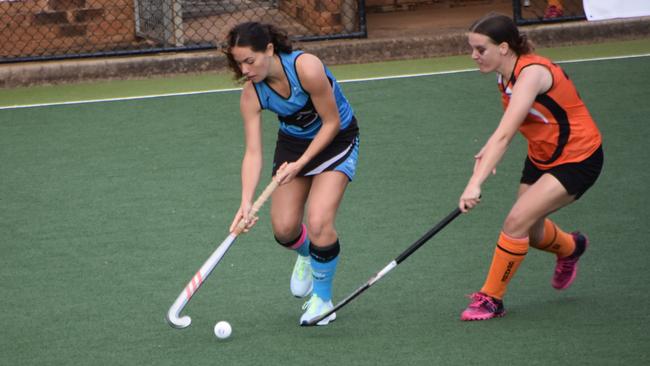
x=176 y=322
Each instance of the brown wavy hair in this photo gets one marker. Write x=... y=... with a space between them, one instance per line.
x=256 y=36
x=500 y=28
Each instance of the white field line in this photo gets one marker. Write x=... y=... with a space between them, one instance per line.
x=341 y=81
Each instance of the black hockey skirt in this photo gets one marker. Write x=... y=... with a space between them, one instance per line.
x=341 y=154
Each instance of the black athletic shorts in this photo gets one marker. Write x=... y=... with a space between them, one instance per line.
x=575 y=177
x=341 y=151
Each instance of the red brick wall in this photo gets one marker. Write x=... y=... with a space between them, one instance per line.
x=321 y=17
x=46 y=27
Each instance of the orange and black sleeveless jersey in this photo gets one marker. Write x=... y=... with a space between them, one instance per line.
x=558 y=127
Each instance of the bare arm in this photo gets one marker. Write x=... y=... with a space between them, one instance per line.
x=532 y=81
x=252 y=162
x=314 y=80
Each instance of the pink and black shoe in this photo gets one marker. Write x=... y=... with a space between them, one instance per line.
x=483 y=307
x=566 y=268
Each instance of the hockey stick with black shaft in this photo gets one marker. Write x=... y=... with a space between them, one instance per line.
x=400 y=258
x=173 y=314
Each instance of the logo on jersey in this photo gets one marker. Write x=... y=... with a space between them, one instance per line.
x=305 y=117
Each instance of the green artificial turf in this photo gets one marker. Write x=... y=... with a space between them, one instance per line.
x=108 y=209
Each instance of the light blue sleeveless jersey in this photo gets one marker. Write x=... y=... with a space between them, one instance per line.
x=297 y=115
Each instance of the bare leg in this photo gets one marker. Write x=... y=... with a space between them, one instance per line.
x=287 y=208
x=534 y=203
x=326 y=193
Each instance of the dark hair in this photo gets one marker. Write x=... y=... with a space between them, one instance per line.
x=256 y=36
x=500 y=28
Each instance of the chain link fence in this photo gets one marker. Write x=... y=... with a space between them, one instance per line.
x=54 y=29
x=547 y=11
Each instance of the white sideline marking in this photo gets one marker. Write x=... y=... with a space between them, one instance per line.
x=118 y=99
x=340 y=81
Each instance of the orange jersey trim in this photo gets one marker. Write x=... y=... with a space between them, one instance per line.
x=558 y=127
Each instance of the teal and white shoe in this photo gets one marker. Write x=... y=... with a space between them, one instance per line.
x=316 y=307
x=301 y=281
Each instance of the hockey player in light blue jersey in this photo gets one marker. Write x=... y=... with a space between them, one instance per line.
x=315 y=156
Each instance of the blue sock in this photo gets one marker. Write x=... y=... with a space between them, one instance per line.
x=323 y=275
x=323 y=267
